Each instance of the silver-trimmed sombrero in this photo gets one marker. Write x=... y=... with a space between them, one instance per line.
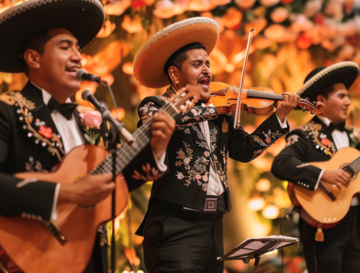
x=150 y=60
x=83 y=18
x=321 y=78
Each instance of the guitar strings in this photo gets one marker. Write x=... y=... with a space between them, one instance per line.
x=126 y=153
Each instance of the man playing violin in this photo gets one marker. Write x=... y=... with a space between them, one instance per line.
x=183 y=226
x=318 y=141
x=38 y=125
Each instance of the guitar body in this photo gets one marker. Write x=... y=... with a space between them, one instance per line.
x=34 y=249
x=317 y=209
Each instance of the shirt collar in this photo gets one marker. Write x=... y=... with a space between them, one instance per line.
x=325 y=120
x=46 y=95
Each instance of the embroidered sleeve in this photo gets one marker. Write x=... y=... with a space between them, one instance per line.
x=245 y=147
x=148 y=173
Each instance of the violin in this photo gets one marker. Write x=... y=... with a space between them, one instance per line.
x=257 y=100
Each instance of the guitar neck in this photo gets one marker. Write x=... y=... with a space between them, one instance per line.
x=126 y=153
x=354 y=167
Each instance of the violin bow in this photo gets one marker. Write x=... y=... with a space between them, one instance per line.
x=238 y=105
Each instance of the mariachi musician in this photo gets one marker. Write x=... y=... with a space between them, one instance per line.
x=183 y=226
x=318 y=141
x=39 y=124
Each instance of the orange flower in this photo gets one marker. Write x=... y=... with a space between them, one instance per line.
x=45 y=131
x=325 y=141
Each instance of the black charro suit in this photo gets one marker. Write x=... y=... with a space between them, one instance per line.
x=340 y=251
x=29 y=141
x=177 y=239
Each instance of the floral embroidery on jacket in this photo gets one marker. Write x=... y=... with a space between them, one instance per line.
x=312 y=129
x=225 y=126
x=34 y=166
x=270 y=138
x=222 y=171
x=292 y=139
x=199 y=114
x=147 y=110
x=53 y=143
x=150 y=173
x=196 y=172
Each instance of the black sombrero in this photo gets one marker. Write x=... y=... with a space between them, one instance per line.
x=83 y=18
x=321 y=78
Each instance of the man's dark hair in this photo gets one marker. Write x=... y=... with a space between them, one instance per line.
x=179 y=57
x=327 y=91
x=36 y=43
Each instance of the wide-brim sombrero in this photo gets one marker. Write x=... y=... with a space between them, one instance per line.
x=321 y=78
x=83 y=18
x=150 y=60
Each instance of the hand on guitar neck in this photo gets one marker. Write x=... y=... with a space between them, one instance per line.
x=336 y=177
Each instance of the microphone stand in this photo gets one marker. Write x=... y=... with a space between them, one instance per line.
x=128 y=138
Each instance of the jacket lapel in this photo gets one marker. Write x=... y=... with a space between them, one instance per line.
x=325 y=135
x=41 y=125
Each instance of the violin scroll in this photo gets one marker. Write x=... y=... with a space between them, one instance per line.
x=314 y=108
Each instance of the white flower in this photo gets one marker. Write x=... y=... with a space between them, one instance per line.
x=180 y=176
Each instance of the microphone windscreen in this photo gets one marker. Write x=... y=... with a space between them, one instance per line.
x=80 y=73
x=85 y=94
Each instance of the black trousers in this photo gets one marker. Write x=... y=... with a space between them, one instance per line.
x=179 y=244
x=340 y=250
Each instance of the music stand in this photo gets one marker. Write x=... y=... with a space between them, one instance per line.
x=254 y=248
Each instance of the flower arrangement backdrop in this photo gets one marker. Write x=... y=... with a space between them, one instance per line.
x=291 y=38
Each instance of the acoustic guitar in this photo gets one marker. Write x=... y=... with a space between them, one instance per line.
x=328 y=204
x=33 y=246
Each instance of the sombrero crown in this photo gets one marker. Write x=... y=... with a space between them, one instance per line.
x=150 y=60
x=322 y=78
x=83 y=18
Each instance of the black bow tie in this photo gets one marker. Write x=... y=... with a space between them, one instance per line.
x=339 y=126
x=66 y=109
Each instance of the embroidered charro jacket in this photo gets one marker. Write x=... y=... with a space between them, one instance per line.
x=189 y=155
x=310 y=143
x=29 y=142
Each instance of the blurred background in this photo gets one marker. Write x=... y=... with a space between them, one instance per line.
x=291 y=38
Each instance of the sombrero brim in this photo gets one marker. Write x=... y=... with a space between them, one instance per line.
x=150 y=60
x=20 y=23
x=343 y=72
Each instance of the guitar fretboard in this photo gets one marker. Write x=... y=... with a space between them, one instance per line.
x=354 y=167
x=126 y=153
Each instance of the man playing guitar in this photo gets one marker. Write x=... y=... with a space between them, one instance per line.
x=43 y=39
x=318 y=140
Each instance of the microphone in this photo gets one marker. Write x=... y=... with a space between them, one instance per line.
x=105 y=113
x=89 y=96
x=83 y=75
